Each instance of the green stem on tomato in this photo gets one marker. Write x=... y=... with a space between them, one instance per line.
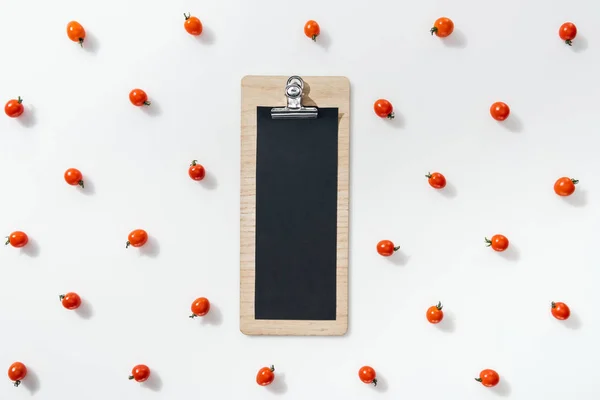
x=130 y=377
x=147 y=103
x=478 y=379
x=575 y=181
x=81 y=42
x=19 y=100
x=488 y=241
x=80 y=183
x=127 y=244
x=61 y=297
x=391 y=115
x=314 y=38
x=396 y=248
x=187 y=16
x=439 y=305
x=7 y=241
x=569 y=42
x=433 y=30
x=272 y=368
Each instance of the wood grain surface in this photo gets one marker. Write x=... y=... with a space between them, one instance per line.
x=319 y=91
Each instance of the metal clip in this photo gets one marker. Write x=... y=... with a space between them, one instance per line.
x=294 y=109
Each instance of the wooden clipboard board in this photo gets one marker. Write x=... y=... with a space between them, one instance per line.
x=269 y=91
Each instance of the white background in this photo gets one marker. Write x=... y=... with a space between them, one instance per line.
x=500 y=179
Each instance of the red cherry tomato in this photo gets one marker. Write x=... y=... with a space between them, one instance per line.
x=137 y=238
x=498 y=242
x=17 y=239
x=567 y=32
x=16 y=372
x=384 y=109
x=265 y=376
x=192 y=25
x=436 y=180
x=435 y=313
x=442 y=27
x=386 y=248
x=138 y=98
x=367 y=375
x=488 y=378
x=499 y=111
x=312 y=30
x=75 y=32
x=565 y=186
x=196 y=171
x=73 y=177
x=14 y=108
x=200 y=307
x=70 y=301
x=140 y=373
x=560 y=310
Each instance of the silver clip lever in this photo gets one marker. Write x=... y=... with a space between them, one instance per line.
x=294 y=109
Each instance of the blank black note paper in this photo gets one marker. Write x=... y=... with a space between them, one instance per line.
x=296 y=216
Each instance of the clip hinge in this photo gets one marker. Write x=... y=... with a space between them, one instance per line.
x=294 y=109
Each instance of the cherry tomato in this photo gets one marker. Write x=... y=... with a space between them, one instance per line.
x=137 y=238
x=498 y=242
x=192 y=25
x=200 y=307
x=138 y=98
x=70 y=301
x=488 y=378
x=386 y=248
x=17 y=239
x=140 y=373
x=16 y=372
x=265 y=376
x=196 y=171
x=499 y=111
x=435 y=313
x=73 y=177
x=76 y=32
x=565 y=186
x=436 y=180
x=367 y=375
x=442 y=27
x=14 y=108
x=384 y=109
x=567 y=32
x=312 y=30
x=560 y=311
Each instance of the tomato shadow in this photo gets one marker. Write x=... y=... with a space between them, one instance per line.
x=457 y=39
x=151 y=248
x=214 y=316
x=399 y=258
x=324 y=40
x=448 y=191
x=154 y=382
x=88 y=188
x=448 y=324
x=31 y=382
x=32 y=249
x=580 y=44
x=153 y=109
x=513 y=123
x=382 y=385
x=511 y=254
x=90 y=43
x=577 y=199
x=85 y=310
x=398 y=121
x=210 y=181
x=207 y=36
x=278 y=386
x=573 y=322
x=502 y=388
x=27 y=119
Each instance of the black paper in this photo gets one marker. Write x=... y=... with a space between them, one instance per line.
x=296 y=216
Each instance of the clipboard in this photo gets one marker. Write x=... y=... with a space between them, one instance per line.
x=294 y=205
